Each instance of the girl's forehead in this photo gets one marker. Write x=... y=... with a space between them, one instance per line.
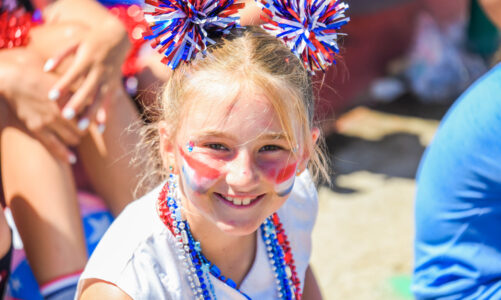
x=248 y=109
x=233 y=105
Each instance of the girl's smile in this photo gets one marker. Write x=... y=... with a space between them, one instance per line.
x=239 y=201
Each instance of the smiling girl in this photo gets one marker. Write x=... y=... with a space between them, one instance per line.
x=234 y=143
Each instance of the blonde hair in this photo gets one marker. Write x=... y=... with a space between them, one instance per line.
x=247 y=56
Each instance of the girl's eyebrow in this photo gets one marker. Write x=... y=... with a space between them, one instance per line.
x=273 y=136
x=264 y=136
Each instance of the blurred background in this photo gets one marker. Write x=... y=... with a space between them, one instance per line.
x=404 y=63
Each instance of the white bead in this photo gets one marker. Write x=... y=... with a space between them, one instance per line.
x=185 y=237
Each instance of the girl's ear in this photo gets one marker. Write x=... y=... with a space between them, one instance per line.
x=315 y=134
x=167 y=149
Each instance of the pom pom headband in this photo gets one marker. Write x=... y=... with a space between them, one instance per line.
x=179 y=28
x=308 y=28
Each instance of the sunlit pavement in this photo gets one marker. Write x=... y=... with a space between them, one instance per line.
x=362 y=242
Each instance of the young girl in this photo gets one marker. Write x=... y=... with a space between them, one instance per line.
x=234 y=219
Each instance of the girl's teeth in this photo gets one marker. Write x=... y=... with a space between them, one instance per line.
x=239 y=201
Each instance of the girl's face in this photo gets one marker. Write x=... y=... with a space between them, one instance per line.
x=236 y=167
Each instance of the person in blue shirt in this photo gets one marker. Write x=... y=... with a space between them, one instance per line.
x=458 y=200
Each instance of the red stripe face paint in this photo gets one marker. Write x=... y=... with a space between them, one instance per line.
x=197 y=175
x=284 y=178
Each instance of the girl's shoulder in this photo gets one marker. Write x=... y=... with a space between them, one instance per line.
x=136 y=253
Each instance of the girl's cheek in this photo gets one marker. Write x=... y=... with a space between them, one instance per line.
x=283 y=177
x=197 y=175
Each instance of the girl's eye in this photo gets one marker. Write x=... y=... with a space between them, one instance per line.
x=218 y=147
x=270 y=148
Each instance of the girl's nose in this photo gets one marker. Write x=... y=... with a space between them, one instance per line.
x=242 y=173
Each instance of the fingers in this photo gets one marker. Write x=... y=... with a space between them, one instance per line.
x=67 y=133
x=90 y=113
x=86 y=93
x=76 y=70
x=101 y=117
x=56 y=147
x=52 y=63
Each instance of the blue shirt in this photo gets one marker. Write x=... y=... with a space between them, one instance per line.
x=458 y=200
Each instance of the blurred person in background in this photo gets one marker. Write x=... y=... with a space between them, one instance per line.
x=52 y=111
x=458 y=199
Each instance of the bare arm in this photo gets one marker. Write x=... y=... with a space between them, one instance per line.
x=98 y=289
x=311 y=288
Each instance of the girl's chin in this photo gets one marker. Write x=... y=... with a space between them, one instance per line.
x=238 y=229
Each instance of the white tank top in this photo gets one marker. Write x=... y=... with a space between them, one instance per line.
x=137 y=252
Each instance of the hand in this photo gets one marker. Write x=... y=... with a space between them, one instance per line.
x=97 y=65
x=25 y=86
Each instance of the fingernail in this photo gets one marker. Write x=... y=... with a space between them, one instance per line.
x=53 y=95
x=101 y=128
x=68 y=113
x=49 y=65
x=72 y=159
x=83 y=124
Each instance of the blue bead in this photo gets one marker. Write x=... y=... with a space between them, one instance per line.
x=231 y=283
x=215 y=270
x=222 y=278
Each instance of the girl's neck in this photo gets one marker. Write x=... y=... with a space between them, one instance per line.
x=233 y=255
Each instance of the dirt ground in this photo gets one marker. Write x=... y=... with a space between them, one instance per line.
x=362 y=242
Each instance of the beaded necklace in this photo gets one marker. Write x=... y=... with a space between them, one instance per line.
x=198 y=267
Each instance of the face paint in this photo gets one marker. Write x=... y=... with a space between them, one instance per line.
x=189 y=146
x=197 y=175
x=284 y=179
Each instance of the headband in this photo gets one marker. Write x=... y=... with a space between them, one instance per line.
x=180 y=28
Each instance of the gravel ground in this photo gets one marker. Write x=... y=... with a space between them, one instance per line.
x=362 y=242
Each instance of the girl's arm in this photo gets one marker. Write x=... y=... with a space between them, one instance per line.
x=311 y=288
x=98 y=289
